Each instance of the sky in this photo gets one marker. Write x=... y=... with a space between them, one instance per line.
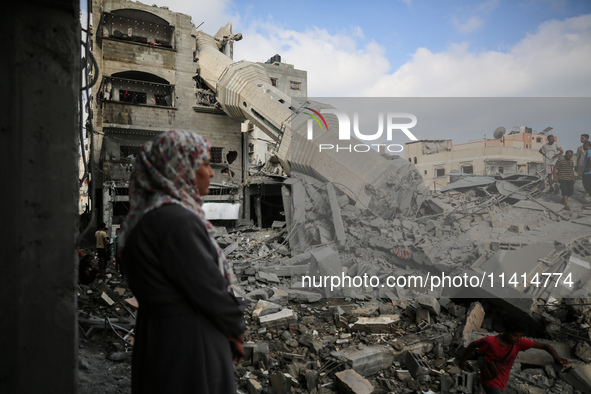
x=416 y=48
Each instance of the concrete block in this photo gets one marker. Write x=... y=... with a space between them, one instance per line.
x=260 y=352
x=367 y=361
x=254 y=387
x=264 y=308
x=280 y=319
x=517 y=228
x=280 y=297
x=416 y=365
x=464 y=382
x=430 y=303
x=349 y=381
x=376 y=325
x=423 y=318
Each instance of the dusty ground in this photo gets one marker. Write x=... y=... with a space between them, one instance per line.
x=96 y=373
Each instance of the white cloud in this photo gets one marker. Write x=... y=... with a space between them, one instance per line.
x=550 y=62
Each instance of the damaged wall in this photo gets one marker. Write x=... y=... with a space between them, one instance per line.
x=41 y=88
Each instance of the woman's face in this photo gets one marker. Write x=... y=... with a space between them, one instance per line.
x=203 y=174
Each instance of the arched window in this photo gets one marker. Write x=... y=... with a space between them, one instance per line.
x=137 y=87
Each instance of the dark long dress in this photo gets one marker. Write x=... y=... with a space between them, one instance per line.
x=185 y=313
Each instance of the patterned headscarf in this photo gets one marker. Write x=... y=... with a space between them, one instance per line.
x=164 y=173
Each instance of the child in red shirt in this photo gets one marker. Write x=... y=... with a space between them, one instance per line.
x=503 y=349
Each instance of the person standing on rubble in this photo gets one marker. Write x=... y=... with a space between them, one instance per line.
x=189 y=324
x=551 y=151
x=580 y=156
x=101 y=247
x=502 y=350
x=565 y=173
x=587 y=168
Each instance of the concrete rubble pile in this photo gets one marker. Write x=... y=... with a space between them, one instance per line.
x=406 y=339
x=389 y=339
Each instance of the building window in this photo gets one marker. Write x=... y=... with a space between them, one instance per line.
x=160 y=99
x=538 y=139
x=468 y=169
x=274 y=81
x=129 y=96
x=294 y=85
x=216 y=155
x=439 y=172
x=501 y=170
x=415 y=160
x=128 y=151
x=425 y=172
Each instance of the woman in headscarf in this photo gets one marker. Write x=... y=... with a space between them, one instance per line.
x=189 y=324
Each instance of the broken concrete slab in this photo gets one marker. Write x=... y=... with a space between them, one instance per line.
x=579 y=377
x=285 y=271
x=349 y=381
x=264 y=308
x=420 y=348
x=267 y=277
x=367 y=361
x=337 y=220
x=376 y=325
x=280 y=319
x=475 y=318
x=327 y=263
x=437 y=206
x=231 y=249
x=526 y=260
x=258 y=294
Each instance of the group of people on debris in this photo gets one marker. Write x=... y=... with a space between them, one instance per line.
x=190 y=326
x=106 y=252
x=560 y=167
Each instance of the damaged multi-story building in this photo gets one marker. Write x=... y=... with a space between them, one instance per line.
x=440 y=162
x=148 y=82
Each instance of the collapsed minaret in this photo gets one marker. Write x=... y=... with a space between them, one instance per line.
x=386 y=186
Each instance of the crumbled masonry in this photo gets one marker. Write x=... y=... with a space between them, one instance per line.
x=383 y=340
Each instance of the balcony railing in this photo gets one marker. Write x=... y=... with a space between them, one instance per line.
x=138 y=30
x=133 y=91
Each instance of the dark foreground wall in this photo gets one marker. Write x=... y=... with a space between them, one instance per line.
x=39 y=85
